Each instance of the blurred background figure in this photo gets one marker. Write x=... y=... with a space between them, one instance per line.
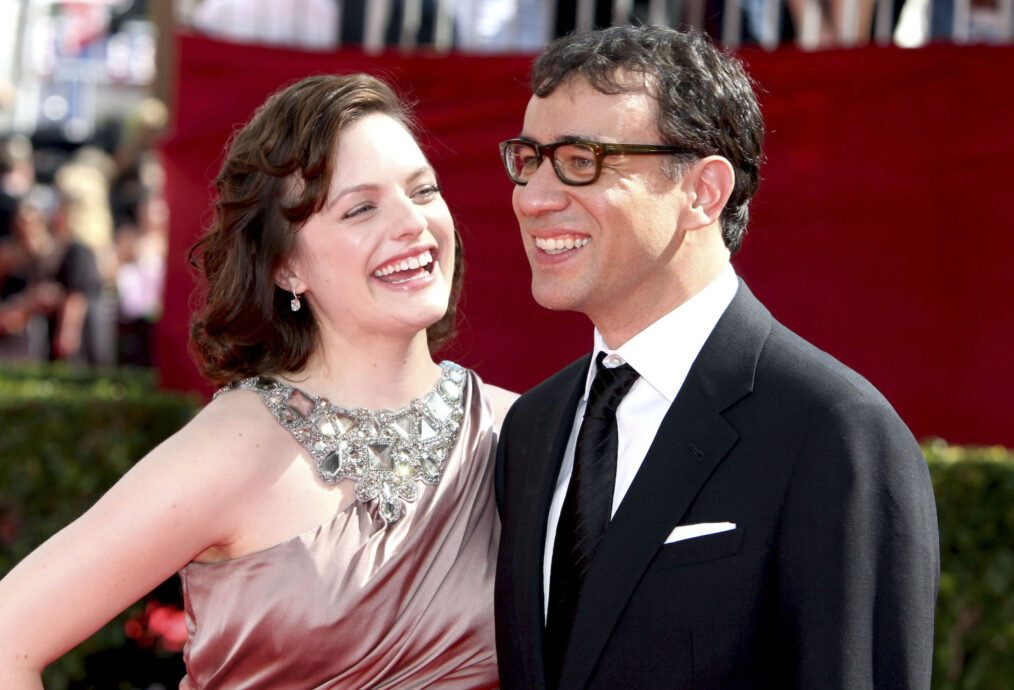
x=83 y=221
x=51 y=289
x=141 y=239
x=17 y=177
x=141 y=227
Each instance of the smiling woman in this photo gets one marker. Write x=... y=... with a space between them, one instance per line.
x=284 y=176
x=331 y=511
x=381 y=215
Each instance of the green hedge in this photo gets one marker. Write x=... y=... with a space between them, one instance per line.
x=974 y=645
x=66 y=435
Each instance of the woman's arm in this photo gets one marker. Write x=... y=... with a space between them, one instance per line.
x=175 y=503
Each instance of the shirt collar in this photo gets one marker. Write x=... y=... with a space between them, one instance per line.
x=663 y=352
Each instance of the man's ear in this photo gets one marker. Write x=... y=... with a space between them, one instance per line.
x=710 y=183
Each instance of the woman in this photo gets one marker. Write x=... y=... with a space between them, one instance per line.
x=331 y=509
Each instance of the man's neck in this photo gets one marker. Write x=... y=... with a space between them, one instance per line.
x=619 y=323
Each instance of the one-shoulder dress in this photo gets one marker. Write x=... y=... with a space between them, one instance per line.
x=360 y=602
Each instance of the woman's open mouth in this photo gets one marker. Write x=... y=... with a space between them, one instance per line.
x=404 y=270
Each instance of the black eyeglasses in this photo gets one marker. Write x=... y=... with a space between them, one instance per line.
x=576 y=162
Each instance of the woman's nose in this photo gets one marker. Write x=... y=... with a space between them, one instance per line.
x=410 y=220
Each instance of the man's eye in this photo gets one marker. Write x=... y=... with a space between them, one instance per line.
x=578 y=160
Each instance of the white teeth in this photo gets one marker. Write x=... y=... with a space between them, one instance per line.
x=411 y=263
x=558 y=245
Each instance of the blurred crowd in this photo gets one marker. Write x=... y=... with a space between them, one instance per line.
x=83 y=238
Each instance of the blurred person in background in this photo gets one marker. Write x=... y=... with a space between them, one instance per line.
x=83 y=218
x=331 y=511
x=141 y=239
x=140 y=230
x=138 y=172
x=17 y=177
x=50 y=286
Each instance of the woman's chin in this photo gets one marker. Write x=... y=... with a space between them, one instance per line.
x=424 y=314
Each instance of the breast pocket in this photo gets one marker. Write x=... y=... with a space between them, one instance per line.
x=711 y=547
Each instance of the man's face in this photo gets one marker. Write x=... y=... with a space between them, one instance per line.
x=604 y=249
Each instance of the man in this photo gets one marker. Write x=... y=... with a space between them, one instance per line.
x=768 y=520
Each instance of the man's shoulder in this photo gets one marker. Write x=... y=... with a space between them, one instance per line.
x=559 y=385
x=813 y=377
x=782 y=354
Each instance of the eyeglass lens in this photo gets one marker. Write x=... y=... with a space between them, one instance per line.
x=573 y=162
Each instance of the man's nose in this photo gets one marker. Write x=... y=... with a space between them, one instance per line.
x=544 y=191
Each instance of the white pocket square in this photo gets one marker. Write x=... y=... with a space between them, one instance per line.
x=701 y=529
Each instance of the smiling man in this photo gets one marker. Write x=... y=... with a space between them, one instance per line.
x=705 y=500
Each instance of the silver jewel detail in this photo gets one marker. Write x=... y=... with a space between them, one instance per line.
x=295 y=304
x=385 y=452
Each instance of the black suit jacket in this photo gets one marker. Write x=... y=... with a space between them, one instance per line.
x=829 y=579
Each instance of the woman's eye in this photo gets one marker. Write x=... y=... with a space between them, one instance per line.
x=357 y=210
x=426 y=192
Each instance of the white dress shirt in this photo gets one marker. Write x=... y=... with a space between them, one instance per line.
x=662 y=354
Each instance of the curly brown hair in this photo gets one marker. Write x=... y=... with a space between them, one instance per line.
x=242 y=324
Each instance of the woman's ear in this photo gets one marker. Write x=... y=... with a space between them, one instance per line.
x=710 y=185
x=288 y=280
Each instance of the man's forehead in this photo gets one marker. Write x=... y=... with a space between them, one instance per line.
x=577 y=109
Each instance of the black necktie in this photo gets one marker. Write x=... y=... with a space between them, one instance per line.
x=586 y=508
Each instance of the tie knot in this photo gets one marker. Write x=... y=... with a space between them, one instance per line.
x=608 y=388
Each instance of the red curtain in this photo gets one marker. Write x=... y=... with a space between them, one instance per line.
x=881 y=232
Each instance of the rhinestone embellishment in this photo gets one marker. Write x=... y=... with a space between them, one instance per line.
x=385 y=452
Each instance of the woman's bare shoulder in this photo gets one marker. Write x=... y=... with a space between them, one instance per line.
x=502 y=400
x=235 y=434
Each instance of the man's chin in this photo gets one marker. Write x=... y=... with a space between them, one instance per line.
x=552 y=297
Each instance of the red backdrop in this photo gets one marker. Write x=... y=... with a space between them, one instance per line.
x=881 y=231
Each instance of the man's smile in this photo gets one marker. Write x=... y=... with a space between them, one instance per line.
x=558 y=245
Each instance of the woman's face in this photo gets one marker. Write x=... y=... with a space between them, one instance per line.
x=30 y=228
x=378 y=258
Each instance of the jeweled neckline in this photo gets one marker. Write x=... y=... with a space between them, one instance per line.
x=385 y=452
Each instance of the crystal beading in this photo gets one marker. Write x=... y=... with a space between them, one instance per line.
x=385 y=452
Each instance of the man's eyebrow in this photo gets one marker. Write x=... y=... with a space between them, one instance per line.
x=565 y=137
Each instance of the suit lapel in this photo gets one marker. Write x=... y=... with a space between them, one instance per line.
x=690 y=443
x=548 y=425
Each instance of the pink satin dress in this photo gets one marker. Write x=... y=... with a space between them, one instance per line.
x=356 y=603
